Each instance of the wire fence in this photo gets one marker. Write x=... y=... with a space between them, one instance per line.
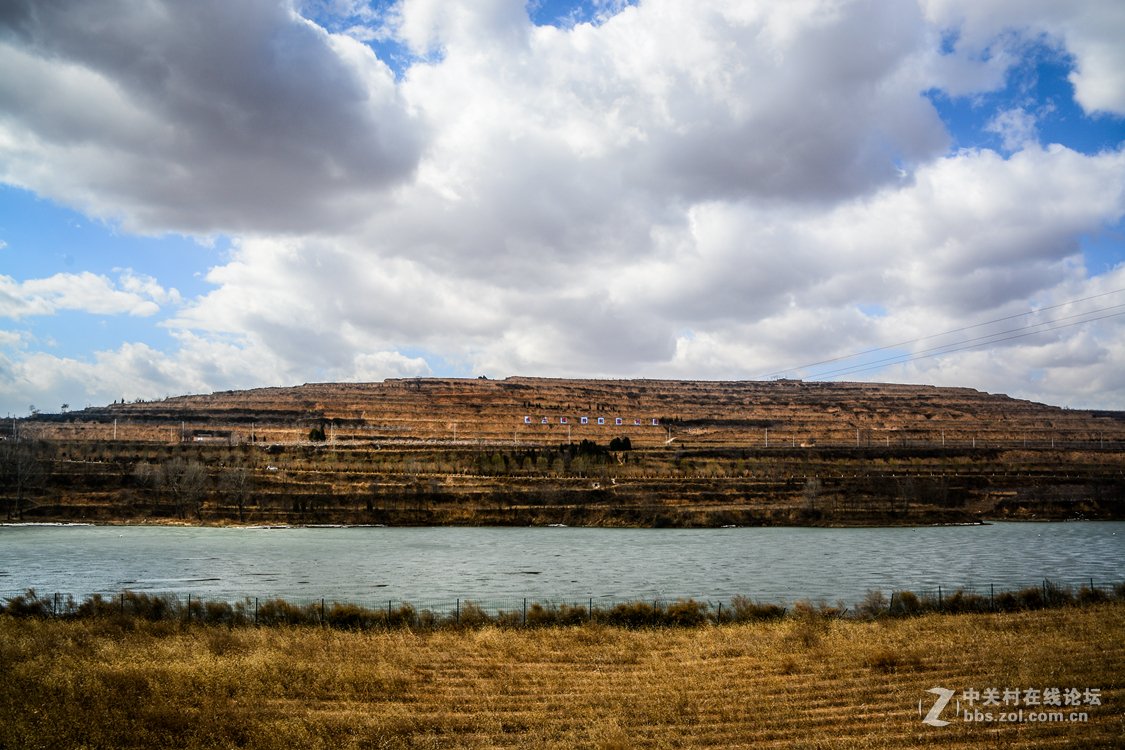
x=525 y=611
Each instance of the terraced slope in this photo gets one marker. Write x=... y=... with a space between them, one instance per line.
x=700 y=413
x=516 y=452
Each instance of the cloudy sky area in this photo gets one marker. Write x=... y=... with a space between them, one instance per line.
x=218 y=194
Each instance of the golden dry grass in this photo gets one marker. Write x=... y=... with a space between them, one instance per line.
x=799 y=682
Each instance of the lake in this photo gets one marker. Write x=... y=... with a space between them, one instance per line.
x=373 y=564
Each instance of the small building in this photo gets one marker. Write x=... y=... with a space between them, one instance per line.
x=213 y=436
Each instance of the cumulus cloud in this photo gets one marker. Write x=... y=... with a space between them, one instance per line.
x=11 y=338
x=1015 y=127
x=84 y=291
x=197 y=116
x=721 y=189
x=1090 y=30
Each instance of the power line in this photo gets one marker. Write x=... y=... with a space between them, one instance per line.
x=938 y=351
x=978 y=325
x=984 y=339
x=946 y=333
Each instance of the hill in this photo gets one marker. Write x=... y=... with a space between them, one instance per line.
x=619 y=452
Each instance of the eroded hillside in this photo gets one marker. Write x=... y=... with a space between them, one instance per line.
x=613 y=452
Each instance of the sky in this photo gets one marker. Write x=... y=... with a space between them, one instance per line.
x=229 y=194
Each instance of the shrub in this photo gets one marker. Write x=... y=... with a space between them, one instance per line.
x=27 y=604
x=889 y=661
x=472 y=615
x=351 y=617
x=404 y=616
x=818 y=610
x=571 y=615
x=153 y=607
x=539 y=615
x=745 y=610
x=1057 y=595
x=1088 y=595
x=686 y=613
x=907 y=602
x=962 y=601
x=631 y=615
x=873 y=604
x=222 y=613
x=281 y=612
x=98 y=607
x=1030 y=598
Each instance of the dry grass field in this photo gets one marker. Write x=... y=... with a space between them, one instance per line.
x=799 y=682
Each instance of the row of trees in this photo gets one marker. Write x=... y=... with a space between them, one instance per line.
x=21 y=473
x=185 y=485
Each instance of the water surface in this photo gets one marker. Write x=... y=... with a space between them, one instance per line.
x=364 y=564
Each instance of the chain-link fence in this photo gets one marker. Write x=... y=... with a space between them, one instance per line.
x=521 y=612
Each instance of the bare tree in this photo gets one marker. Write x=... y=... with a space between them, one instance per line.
x=20 y=471
x=238 y=486
x=186 y=485
x=811 y=492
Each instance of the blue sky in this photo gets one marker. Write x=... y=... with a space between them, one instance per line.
x=354 y=191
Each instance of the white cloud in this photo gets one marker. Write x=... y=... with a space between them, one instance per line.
x=11 y=338
x=146 y=286
x=382 y=365
x=1091 y=30
x=1015 y=127
x=85 y=291
x=561 y=201
x=761 y=287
